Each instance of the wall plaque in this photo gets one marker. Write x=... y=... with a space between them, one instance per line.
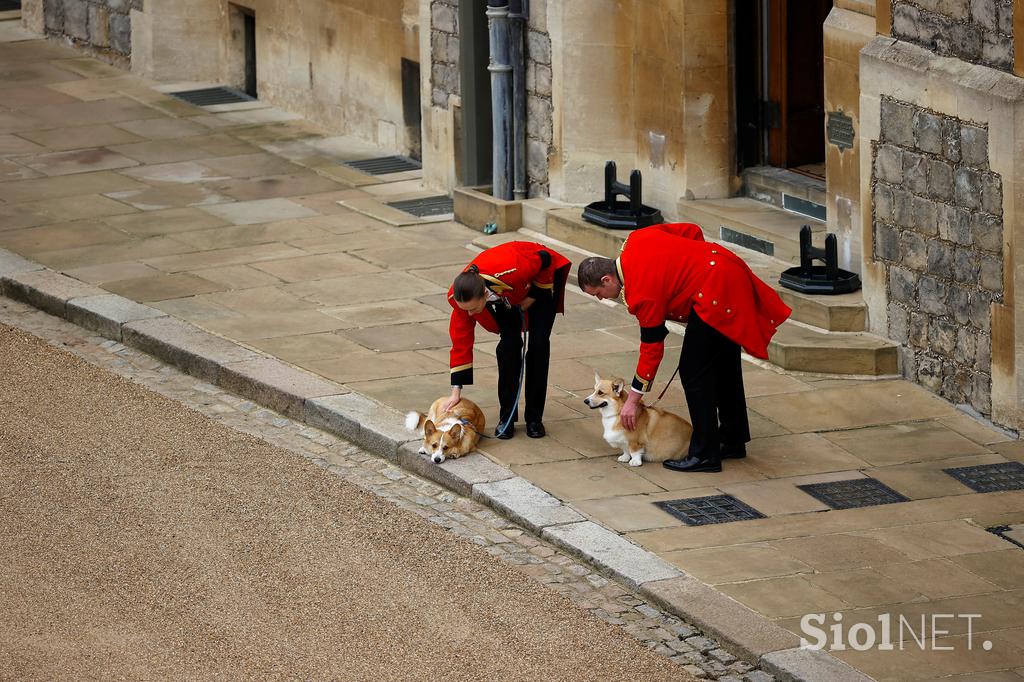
x=839 y=130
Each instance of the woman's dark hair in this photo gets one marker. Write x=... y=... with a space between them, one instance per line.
x=592 y=269
x=468 y=285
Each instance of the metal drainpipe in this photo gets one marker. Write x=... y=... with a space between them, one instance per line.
x=501 y=97
x=518 y=12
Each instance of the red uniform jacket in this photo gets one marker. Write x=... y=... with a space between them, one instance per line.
x=668 y=270
x=512 y=271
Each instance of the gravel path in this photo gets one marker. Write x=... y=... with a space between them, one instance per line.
x=142 y=539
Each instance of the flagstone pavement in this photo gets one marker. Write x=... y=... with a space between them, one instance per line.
x=245 y=222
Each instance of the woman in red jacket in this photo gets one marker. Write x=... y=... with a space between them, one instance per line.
x=505 y=289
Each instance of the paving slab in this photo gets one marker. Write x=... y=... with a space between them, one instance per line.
x=525 y=503
x=587 y=479
x=385 y=313
x=107 y=313
x=259 y=211
x=37 y=189
x=164 y=222
x=311 y=268
x=611 y=552
x=32 y=240
x=254 y=301
x=183 y=172
x=168 y=196
x=78 y=161
x=78 y=137
x=161 y=287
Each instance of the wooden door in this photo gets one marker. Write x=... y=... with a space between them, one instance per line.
x=795 y=110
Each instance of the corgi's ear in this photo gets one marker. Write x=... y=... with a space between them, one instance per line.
x=428 y=428
x=456 y=432
x=597 y=378
x=617 y=386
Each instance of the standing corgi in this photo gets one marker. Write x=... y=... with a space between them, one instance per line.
x=659 y=434
x=448 y=434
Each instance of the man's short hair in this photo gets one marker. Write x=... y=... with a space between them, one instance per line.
x=592 y=269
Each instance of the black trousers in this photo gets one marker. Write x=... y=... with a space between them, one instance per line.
x=712 y=378
x=510 y=357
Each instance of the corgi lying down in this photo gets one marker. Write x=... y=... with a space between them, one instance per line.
x=447 y=434
x=659 y=434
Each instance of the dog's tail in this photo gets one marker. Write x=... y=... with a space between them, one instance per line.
x=414 y=421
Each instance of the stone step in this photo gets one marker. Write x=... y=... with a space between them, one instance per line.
x=752 y=224
x=785 y=189
x=804 y=349
x=844 y=313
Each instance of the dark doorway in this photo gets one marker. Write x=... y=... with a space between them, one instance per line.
x=250 y=52
x=780 y=83
x=475 y=140
x=411 y=106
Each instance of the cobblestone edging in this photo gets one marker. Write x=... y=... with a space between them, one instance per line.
x=228 y=368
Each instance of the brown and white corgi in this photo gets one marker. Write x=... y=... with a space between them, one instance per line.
x=659 y=434
x=448 y=435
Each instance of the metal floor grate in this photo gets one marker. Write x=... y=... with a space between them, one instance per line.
x=990 y=478
x=427 y=206
x=205 y=97
x=9 y=5
x=857 y=492
x=702 y=511
x=384 y=165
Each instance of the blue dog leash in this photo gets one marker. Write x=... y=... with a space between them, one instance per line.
x=522 y=375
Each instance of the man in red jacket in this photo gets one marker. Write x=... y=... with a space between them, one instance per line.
x=504 y=289
x=668 y=272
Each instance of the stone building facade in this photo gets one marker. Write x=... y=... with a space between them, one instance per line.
x=978 y=31
x=937 y=218
x=103 y=27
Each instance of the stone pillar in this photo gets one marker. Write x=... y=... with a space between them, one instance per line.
x=942 y=176
x=846 y=32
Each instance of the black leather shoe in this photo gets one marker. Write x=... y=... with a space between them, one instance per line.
x=738 y=452
x=509 y=431
x=535 y=429
x=693 y=464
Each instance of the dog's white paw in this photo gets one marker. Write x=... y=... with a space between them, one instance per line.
x=423 y=450
x=624 y=458
x=636 y=462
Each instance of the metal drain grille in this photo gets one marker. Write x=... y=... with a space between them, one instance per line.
x=990 y=478
x=702 y=511
x=857 y=492
x=1003 y=532
x=384 y=165
x=206 y=97
x=427 y=206
x=8 y=5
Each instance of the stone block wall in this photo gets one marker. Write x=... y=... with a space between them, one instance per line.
x=538 y=101
x=444 y=51
x=938 y=228
x=979 y=31
x=103 y=25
